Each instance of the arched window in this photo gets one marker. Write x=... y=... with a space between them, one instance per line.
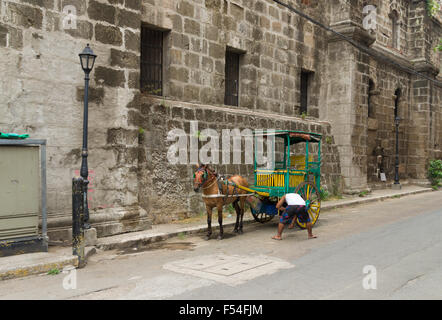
x=395 y=29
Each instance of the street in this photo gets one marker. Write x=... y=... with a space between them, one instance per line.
x=399 y=239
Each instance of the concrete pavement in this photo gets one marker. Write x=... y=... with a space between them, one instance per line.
x=399 y=237
x=18 y=266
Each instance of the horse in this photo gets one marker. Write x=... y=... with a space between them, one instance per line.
x=207 y=179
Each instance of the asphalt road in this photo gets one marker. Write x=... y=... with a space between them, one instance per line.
x=400 y=239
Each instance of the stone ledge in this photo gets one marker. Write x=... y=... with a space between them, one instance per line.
x=106 y=222
x=34 y=263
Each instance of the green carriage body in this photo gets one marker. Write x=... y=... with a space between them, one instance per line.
x=285 y=178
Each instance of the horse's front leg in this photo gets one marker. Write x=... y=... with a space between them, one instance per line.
x=241 y=209
x=238 y=212
x=209 y=222
x=220 y=221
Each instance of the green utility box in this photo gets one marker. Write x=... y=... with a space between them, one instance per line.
x=22 y=196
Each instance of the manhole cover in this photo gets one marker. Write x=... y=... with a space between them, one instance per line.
x=231 y=270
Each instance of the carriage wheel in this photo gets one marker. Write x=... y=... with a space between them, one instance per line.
x=310 y=193
x=261 y=217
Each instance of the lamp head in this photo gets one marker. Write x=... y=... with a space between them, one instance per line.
x=87 y=59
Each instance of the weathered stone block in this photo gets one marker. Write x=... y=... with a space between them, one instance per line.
x=95 y=95
x=25 y=16
x=84 y=30
x=108 y=35
x=192 y=27
x=49 y=4
x=185 y=8
x=176 y=89
x=3 y=35
x=191 y=93
x=109 y=77
x=213 y=4
x=134 y=80
x=192 y=60
x=180 y=74
x=177 y=22
x=53 y=22
x=129 y=19
x=124 y=59
x=100 y=11
x=216 y=51
x=132 y=40
x=133 y=4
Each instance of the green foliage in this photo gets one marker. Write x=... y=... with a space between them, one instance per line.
x=328 y=140
x=54 y=272
x=435 y=173
x=230 y=209
x=181 y=235
x=432 y=7
x=324 y=194
x=140 y=130
x=303 y=115
x=363 y=193
x=439 y=46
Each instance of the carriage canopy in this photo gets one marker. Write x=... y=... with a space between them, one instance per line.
x=294 y=136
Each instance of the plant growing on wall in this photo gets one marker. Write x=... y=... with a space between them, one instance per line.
x=433 y=6
x=435 y=173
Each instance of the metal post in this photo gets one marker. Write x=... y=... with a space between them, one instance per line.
x=397 y=184
x=78 y=220
x=84 y=172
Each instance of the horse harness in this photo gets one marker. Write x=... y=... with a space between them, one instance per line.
x=221 y=180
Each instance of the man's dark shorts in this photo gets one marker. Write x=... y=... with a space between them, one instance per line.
x=294 y=211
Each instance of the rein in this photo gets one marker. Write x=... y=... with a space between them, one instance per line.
x=204 y=188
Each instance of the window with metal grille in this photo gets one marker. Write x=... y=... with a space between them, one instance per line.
x=151 y=61
x=397 y=96
x=305 y=75
x=232 y=79
x=370 y=99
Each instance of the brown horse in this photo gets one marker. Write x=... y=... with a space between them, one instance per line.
x=206 y=179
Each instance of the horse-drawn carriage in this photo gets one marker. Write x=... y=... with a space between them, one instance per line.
x=291 y=172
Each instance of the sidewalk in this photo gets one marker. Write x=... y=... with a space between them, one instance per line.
x=192 y=226
x=57 y=257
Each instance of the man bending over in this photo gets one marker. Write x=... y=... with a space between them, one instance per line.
x=295 y=209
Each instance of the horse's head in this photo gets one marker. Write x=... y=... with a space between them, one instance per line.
x=200 y=176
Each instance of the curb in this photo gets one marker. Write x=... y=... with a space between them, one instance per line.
x=141 y=240
x=373 y=199
x=153 y=238
x=38 y=268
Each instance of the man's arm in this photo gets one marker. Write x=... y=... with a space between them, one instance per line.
x=280 y=202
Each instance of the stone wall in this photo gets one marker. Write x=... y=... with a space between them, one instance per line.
x=41 y=93
x=360 y=137
x=166 y=189
x=275 y=46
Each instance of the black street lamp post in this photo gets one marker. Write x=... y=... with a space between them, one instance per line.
x=87 y=59
x=80 y=211
x=397 y=184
